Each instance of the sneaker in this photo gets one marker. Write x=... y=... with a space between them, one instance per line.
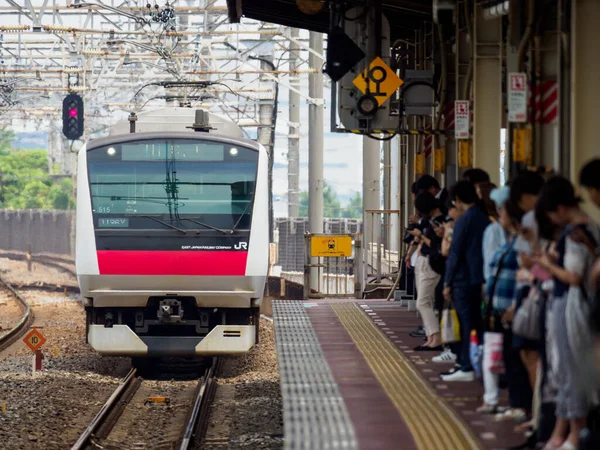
x=445 y=357
x=419 y=332
x=517 y=415
x=451 y=371
x=460 y=375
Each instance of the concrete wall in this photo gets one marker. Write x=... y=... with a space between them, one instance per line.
x=46 y=231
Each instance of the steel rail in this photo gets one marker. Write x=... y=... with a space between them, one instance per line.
x=198 y=404
x=22 y=326
x=106 y=408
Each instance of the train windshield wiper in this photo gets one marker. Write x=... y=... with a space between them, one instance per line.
x=202 y=224
x=164 y=223
x=243 y=214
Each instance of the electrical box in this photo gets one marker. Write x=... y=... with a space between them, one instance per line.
x=419 y=100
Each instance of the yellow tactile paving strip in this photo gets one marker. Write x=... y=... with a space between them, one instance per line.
x=434 y=426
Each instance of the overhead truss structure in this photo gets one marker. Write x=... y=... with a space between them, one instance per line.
x=111 y=52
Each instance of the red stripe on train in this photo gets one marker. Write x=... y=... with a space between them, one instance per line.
x=159 y=262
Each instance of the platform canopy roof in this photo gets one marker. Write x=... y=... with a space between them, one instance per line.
x=404 y=16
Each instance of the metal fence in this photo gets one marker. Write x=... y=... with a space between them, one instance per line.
x=36 y=230
x=291 y=232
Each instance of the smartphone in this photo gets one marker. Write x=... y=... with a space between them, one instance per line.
x=435 y=223
x=540 y=274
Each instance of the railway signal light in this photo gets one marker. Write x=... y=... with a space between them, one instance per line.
x=73 y=116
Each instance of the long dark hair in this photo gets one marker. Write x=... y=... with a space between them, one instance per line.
x=486 y=202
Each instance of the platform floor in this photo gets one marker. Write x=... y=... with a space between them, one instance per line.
x=350 y=379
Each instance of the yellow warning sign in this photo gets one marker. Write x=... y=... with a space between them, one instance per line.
x=419 y=164
x=439 y=159
x=464 y=154
x=330 y=245
x=522 y=145
x=378 y=80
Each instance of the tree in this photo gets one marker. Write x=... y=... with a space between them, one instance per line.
x=6 y=139
x=25 y=182
x=331 y=204
x=354 y=210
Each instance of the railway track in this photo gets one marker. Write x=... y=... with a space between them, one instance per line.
x=57 y=262
x=183 y=434
x=18 y=330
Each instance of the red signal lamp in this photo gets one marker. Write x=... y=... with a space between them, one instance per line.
x=73 y=112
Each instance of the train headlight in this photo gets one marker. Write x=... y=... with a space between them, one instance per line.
x=233 y=151
x=111 y=151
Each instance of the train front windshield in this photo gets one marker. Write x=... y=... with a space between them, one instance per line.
x=177 y=181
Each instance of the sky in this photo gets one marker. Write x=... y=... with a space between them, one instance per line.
x=342 y=155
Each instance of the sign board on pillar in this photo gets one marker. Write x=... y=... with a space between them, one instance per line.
x=461 y=119
x=325 y=245
x=34 y=340
x=522 y=145
x=465 y=154
x=419 y=164
x=439 y=159
x=378 y=80
x=517 y=97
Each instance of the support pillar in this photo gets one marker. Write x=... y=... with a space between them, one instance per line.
x=294 y=131
x=265 y=132
x=487 y=94
x=371 y=193
x=462 y=89
x=315 y=144
x=585 y=89
x=395 y=192
x=387 y=192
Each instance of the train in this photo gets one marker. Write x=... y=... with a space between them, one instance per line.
x=172 y=236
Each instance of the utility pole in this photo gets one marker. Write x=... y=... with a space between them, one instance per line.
x=371 y=153
x=315 y=144
x=294 y=131
x=265 y=132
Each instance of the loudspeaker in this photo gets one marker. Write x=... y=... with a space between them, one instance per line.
x=342 y=54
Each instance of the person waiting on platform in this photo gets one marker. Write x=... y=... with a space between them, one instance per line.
x=427 y=183
x=476 y=177
x=463 y=281
x=570 y=266
x=429 y=266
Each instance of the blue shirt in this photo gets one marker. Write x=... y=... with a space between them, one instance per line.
x=494 y=237
x=505 y=292
x=464 y=265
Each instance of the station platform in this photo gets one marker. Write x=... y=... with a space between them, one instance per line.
x=350 y=379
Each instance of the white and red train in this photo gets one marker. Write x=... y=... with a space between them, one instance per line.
x=172 y=237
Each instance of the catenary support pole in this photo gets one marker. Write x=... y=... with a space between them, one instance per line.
x=294 y=130
x=315 y=144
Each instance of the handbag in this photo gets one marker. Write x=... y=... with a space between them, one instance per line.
x=579 y=310
x=450 y=328
x=493 y=355
x=526 y=322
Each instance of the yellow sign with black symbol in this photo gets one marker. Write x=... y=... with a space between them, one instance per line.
x=419 y=164
x=330 y=245
x=465 y=157
x=522 y=145
x=378 y=80
x=439 y=159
